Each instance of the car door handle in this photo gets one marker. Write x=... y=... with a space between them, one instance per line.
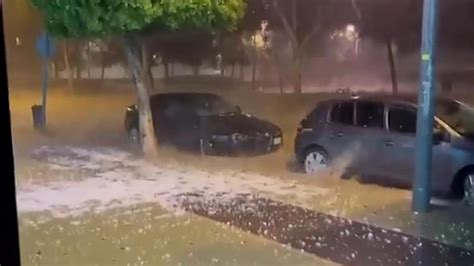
x=389 y=143
x=337 y=134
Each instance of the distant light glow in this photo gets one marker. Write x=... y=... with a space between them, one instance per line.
x=350 y=28
x=351 y=33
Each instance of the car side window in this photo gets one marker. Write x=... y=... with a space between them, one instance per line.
x=202 y=107
x=172 y=108
x=370 y=115
x=402 y=120
x=343 y=113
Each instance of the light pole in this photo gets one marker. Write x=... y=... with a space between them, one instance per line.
x=264 y=32
x=45 y=48
x=263 y=27
x=424 y=132
x=254 y=61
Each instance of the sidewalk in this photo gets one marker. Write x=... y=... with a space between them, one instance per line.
x=147 y=235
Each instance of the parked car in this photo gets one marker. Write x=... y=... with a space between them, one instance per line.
x=384 y=128
x=205 y=123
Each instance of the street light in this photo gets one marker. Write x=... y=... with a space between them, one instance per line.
x=350 y=28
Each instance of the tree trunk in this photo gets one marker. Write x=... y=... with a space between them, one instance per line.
x=290 y=25
x=142 y=83
x=297 y=83
x=55 y=70
x=166 y=67
x=69 y=73
x=196 y=70
x=391 y=62
x=241 y=72
x=293 y=15
x=298 y=80
x=102 y=70
x=279 y=72
x=88 y=60
x=280 y=83
x=172 y=69
x=78 y=70
x=232 y=71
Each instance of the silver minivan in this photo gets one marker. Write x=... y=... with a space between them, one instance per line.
x=379 y=134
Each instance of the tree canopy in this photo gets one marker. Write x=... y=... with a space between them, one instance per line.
x=381 y=22
x=96 y=18
x=129 y=18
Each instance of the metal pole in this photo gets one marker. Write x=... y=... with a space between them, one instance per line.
x=424 y=135
x=44 y=85
x=44 y=89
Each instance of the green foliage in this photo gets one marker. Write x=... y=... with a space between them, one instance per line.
x=96 y=18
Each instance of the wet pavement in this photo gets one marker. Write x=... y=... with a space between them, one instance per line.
x=337 y=239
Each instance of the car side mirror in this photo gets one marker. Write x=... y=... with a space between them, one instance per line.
x=238 y=109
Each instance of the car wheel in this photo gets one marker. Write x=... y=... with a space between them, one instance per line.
x=468 y=188
x=134 y=137
x=315 y=161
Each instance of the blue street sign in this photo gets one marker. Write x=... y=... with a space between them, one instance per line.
x=45 y=46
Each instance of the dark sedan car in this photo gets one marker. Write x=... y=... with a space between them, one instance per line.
x=380 y=133
x=206 y=123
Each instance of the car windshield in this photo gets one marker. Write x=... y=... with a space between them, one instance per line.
x=215 y=106
x=458 y=116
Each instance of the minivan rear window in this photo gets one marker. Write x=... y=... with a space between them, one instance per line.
x=343 y=113
x=319 y=114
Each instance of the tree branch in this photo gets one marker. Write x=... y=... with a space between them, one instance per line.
x=293 y=11
x=316 y=27
x=309 y=36
x=285 y=22
x=357 y=10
